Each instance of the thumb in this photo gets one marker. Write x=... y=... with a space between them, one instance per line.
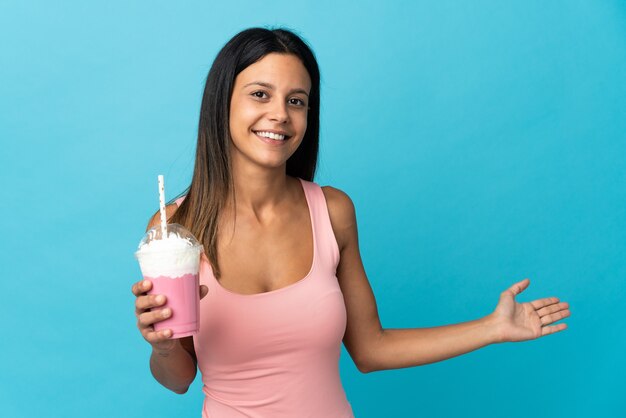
x=519 y=287
x=204 y=290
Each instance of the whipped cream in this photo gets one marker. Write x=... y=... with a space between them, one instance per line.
x=172 y=257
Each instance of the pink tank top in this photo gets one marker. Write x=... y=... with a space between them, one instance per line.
x=276 y=354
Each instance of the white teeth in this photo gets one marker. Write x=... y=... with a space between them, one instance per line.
x=271 y=135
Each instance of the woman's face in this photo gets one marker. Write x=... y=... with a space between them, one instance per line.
x=268 y=110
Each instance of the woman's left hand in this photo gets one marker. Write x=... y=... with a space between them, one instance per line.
x=526 y=321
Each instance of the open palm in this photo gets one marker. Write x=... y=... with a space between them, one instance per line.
x=530 y=320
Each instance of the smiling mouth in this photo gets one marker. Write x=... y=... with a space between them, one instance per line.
x=271 y=135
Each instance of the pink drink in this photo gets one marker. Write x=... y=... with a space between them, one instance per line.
x=172 y=263
x=183 y=299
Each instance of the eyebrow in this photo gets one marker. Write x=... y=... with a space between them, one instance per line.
x=271 y=86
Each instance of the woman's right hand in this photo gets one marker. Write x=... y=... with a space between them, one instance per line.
x=147 y=314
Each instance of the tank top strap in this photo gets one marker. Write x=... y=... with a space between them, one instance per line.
x=326 y=242
x=180 y=200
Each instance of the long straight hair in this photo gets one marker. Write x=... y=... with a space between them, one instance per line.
x=212 y=179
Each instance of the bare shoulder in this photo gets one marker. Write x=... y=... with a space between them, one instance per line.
x=342 y=214
x=156 y=218
x=340 y=205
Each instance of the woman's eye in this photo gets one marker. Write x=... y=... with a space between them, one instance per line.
x=259 y=94
x=297 y=102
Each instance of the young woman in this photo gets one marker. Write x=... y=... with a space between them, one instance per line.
x=282 y=282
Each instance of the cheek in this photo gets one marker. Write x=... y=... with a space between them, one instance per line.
x=244 y=119
x=238 y=129
x=302 y=129
x=300 y=122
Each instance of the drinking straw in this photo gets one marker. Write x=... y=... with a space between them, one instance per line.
x=162 y=207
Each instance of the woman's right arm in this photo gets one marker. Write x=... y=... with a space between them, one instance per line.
x=173 y=362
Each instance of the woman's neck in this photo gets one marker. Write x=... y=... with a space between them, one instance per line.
x=260 y=191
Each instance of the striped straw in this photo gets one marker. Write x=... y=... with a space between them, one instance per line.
x=162 y=207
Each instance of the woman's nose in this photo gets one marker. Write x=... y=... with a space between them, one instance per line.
x=279 y=112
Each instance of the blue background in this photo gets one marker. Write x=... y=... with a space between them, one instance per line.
x=481 y=141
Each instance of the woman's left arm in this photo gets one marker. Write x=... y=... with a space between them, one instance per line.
x=373 y=348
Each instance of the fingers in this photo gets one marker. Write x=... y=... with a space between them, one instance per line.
x=143 y=303
x=550 y=310
x=146 y=319
x=154 y=337
x=552 y=329
x=145 y=323
x=519 y=287
x=147 y=315
x=540 y=303
x=556 y=316
x=141 y=287
x=554 y=307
